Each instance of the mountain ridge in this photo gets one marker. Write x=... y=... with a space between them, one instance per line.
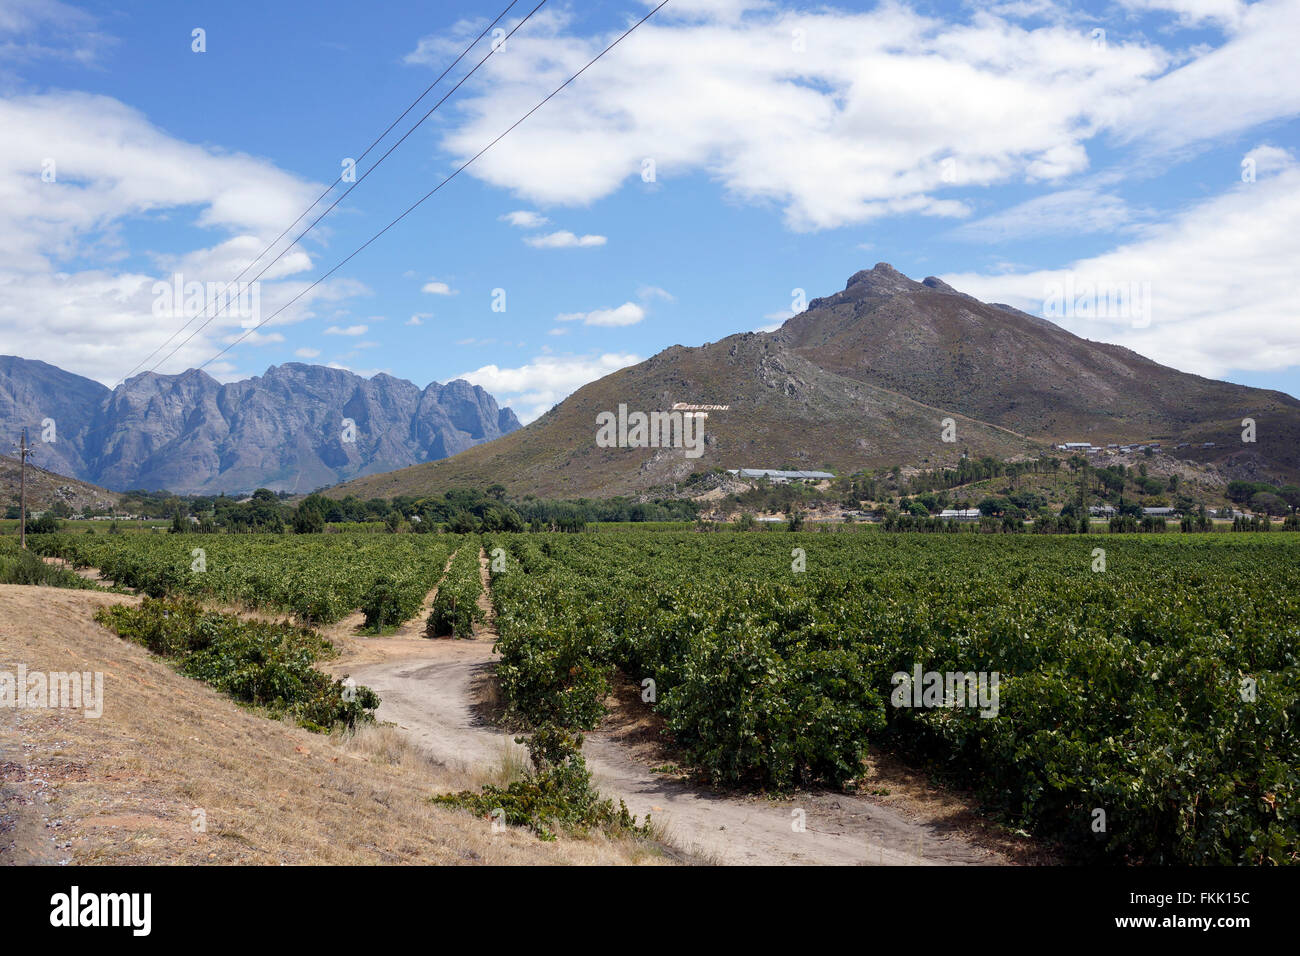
x=286 y=429
x=864 y=378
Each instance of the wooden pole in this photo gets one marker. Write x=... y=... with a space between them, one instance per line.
x=23 y=451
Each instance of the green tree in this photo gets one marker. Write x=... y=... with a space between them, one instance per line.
x=1268 y=503
x=45 y=524
x=308 y=519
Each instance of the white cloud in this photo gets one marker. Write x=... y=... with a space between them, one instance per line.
x=853 y=126
x=1024 y=9
x=437 y=288
x=61 y=240
x=1065 y=213
x=629 y=313
x=253 y=337
x=563 y=240
x=1225 y=13
x=777 y=319
x=111 y=162
x=1268 y=159
x=1222 y=92
x=49 y=29
x=524 y=219
x=349 y=330
x=648 y=292
x=418 y=318
x=1222 y=280
x=533 y=388
x=307 y=353
x=853 y=118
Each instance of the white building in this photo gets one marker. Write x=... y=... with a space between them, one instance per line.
x=780 y=477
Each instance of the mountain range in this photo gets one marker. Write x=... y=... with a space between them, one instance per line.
x=889 y=371
x=295 y=428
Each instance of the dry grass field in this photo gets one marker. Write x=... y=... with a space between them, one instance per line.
x=124 y=788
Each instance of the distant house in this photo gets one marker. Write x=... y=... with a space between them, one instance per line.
x=1160 y=512
x=1101 y=511
x=960 y=514
x=780 y=477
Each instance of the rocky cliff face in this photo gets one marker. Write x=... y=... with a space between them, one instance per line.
x=295 y=428
x=32 y=392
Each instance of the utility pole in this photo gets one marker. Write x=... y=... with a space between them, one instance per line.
x=23 y=451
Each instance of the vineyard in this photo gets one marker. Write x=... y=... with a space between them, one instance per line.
x=455 y=608
x=319 y=578
x=1147 y=692
x=1148 y=699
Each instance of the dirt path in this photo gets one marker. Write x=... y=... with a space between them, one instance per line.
x=432 y=689
x=430 y=692
x=90 y=574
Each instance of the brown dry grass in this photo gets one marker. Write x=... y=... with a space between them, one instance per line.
x=121 y=789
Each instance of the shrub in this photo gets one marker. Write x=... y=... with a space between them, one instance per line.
x=556 y=794
x=23 y=567
x=261 y=663
x=386 y=604
x=746 y=713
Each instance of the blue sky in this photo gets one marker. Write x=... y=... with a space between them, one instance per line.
x=1146 y=145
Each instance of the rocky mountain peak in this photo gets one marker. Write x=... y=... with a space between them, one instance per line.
x=939 y=285
x=880 y=279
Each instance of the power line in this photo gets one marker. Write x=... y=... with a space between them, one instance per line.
x=329 y=188
x=347 y=192
x=449 y=178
